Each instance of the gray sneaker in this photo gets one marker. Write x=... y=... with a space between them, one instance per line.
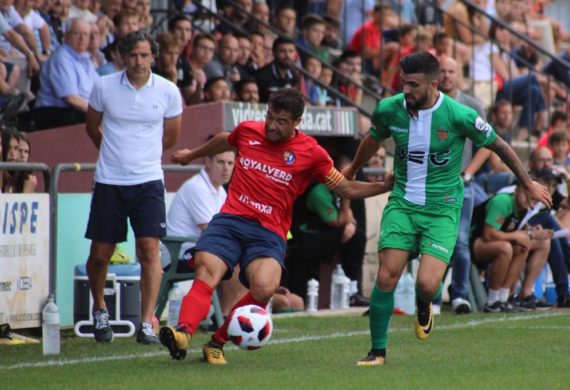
x=146 y=335
x=101 y=327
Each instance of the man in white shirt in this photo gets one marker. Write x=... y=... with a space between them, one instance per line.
x=132 y=117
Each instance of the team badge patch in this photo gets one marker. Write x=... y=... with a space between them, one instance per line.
x=442 y=134
x=289 y=157
x=480 y=124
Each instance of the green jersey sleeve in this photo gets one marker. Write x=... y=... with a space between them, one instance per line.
x=320 y=200
x=472 y=126
x=379 y=130
x=499 y=208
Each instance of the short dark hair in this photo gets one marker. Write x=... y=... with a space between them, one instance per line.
x=332 y=22
x=213 y=80
x=310 y=20
x=439 y=36
x=178 y=18
x=558 y=116
x=558 y=136
x=498 y=104
x=420 y=62
x=281 y=41
x=288 y=99
x=238 y=87
x=202 y=36
x=348 y=54
x=129 y=41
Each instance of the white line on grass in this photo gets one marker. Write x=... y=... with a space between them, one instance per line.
x=88 y=360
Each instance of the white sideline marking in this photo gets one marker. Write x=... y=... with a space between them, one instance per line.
x=493 y=319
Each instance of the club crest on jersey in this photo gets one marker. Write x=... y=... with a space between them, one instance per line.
x=289 y=157
x=442 y=134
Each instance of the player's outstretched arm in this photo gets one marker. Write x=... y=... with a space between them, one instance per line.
x=217 y=144
x=535 y=192
x=350 y=189
x=368 y=146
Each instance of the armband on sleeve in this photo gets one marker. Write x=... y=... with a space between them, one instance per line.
x=333 y=178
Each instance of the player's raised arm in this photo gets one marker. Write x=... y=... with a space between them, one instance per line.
x=534 y=190
x=349 y=189
x=217 y=144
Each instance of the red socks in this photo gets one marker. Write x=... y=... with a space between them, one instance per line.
x=221 y=335
x=195 y=306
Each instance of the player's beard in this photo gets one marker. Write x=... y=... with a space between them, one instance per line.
x=416 y=104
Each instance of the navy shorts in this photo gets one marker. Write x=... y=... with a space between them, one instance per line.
x=238 y=240
x=112 y=205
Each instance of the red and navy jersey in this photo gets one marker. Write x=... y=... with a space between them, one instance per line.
x=268 y=177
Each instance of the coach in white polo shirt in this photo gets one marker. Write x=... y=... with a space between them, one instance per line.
x=133 y=116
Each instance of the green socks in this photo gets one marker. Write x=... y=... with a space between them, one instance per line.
x=381 y=309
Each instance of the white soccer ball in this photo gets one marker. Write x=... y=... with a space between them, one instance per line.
x=250 y=327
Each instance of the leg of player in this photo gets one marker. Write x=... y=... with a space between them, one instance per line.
x=210 y=269
x=148 y=253
x=428 y=287
x=97 y=263
x=392 y=264
x=263 y=275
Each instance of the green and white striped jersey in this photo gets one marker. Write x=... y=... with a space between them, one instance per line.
x=429 y=149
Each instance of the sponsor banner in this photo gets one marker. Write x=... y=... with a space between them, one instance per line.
x=24 y=258
x=330 y=121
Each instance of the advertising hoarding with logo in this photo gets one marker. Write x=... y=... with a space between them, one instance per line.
x=330 y=121
x=24 y=258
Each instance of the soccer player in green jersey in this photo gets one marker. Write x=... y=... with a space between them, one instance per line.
x=422 y=215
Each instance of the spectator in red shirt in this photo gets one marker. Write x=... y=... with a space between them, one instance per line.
x=558 y=121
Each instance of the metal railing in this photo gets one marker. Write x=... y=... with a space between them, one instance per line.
x=83 y=167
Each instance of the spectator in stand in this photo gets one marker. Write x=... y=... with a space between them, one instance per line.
x=225 y=62
x=498 y=240
x=502 y=119
x=238 y=16
x=95 y=7
x=195 y=203
x=351 y=14
x=10 y=153
x=66 y=80
x=129 y=6
x=27 y=181
x=559 y=145
x=350 y=63
x=145 y=18
x=169 y=48
x=313 y=91
x=58 y=13
x=244 y=62
x=13 y=32
x=332 y=36
x=80 y=9
x=503 y=10
x=558 y=121
x=285 y=21
x=216 y=90
x=326 y=78
x=279 y=73
x=203 y=49
x=368 y=42
x=36 y=24
x=408 y=38
x=246 y=90
x=313 y=29
x=557 y=69
x=261 y=12
x=378 y=160
x=115 y=64
x=109 y=9
x=181 y=27
x=430 y=15
x=97 y=56
x=258 y=57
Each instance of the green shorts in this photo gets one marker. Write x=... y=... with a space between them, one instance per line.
x=419 y=229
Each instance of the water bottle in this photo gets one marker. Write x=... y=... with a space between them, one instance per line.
x=312 y=295
x=405 y=294
x=174 y=302
x=346 y=293
x=339 y=288
x=50 y=328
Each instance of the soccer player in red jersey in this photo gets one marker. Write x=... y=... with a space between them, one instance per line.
x=275 y=164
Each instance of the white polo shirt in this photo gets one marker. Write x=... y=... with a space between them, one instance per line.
x=133 y=125
x=195 y=203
